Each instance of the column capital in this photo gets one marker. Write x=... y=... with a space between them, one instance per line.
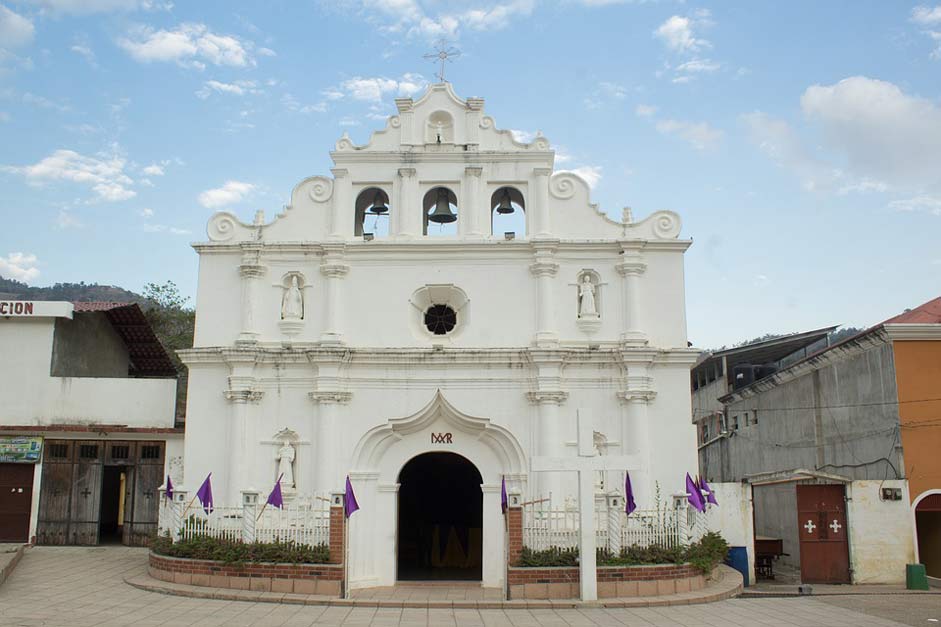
x=252 y=270
x=631 y=266
x=334 y=270
x=637 y=396
x=339 y=173
x=545 y=397
x=473 y=170
x=542 y=171
x=330 y=397
x=407 y=172
x=243 y=396
x=544 y=268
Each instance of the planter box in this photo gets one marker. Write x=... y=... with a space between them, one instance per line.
x=320 y=579
x=613 y=581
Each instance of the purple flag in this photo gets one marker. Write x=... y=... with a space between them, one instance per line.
x=169 y=489
x=693 y=495
x=504 y=502
x=710 y=495
x=349 y=500
x=629 y=504
x=275 y=498
x=204 y=494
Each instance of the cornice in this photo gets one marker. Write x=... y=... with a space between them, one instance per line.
x=637 y=396
x=418 y=154
x=328 y=397
x=547 y=397
x=243 y=396
x=357 y=245
x=913 y=331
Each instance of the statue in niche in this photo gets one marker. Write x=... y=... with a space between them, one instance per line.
x=292 y=303
x=286 y=464
x=586 y=298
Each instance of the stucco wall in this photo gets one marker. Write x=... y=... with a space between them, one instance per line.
x=733 y=518
x=918 y=372
x=880 y=532
x=88 y=346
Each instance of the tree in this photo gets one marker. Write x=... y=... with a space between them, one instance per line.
x=174 y=324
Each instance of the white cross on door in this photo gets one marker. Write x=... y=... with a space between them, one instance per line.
x=835 y=525
x=810 y=526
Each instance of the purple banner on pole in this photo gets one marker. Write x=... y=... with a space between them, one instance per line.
x=276 y=499
x=169 y=490
x=629 y=504
x=710 y=495
x=693 y=495
x=349 y=500
x=504 y=502
x=204 y=494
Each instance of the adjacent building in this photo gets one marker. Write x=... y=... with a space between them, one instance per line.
x=87 y=424
x=839 y=443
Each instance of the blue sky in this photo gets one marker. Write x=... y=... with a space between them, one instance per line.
x=801 y=141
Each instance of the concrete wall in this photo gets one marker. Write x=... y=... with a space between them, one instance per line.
x=776 y=517
x=853 y=432
x=88 y=346
x=880 y=532
x=733 y=518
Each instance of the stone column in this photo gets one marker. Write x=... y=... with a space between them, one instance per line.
x=472 y=210
x=549 y=441
x=635 y=439
x=328 y=473
x=615 y=506
x=341 y=223
x=333 y=270
x=408 y=204
x=251 y=271
x=542 y=223
x=493 y=569
x=544 y=268
x=631 y=268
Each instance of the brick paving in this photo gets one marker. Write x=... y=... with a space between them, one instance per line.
x=84 y=587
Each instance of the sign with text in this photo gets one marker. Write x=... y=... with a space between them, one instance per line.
x=35 y=309
x=20 y=449
x=441 y=438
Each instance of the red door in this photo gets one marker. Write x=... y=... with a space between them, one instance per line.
x=821 y=527
x=16 y=497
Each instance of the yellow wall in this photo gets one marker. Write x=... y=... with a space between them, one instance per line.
x=918 y=376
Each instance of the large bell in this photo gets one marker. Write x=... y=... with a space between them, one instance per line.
x=505 y=206
x=442 y=213
x=378 y=207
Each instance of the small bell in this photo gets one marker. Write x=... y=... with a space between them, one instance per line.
x=378 y=207
x=442 y=213
x=505 y=206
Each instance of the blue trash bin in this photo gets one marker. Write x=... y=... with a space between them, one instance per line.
x=738 y=559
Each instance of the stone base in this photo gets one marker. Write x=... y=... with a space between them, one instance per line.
x=613 y=581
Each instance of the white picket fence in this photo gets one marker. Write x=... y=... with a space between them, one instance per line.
x=303 y=523
x=545 y=526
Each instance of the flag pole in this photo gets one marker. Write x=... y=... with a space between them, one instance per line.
x=268 y=499
x=188 y=506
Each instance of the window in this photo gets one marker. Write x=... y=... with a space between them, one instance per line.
x=119 y=452
x=705 y=431
x=88 y=451
x=440 y=319
x=150 y=451
x=734 y=423
x=59 y=451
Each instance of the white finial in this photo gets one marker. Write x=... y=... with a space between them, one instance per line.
x=260 y=217
x=627 y=215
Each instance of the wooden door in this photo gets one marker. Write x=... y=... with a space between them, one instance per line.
x=86 y=493
x=16 y=498
x=55 y=493
x=821 y=520
x=148 y=478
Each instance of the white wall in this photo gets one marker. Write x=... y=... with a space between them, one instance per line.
x=880 y=532
x=734 y=518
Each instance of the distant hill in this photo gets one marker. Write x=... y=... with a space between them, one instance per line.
x=12 y=289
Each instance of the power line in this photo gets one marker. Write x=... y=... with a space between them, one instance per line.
x=809 y=407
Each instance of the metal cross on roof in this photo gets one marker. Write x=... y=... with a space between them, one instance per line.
x=442 y=54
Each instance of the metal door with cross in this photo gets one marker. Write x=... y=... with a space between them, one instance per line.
x=55 y=494
x=86 y=493
x=821 y=520
x=144 y=502
x=16 y=498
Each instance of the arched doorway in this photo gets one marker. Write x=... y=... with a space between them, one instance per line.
x=440 y=519
x=928 y=530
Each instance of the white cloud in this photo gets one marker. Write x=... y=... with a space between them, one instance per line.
x=696 y=66
x=86 y=52
x=924 y=203
x=86 y=7
x=700 y=135
x=163 y=228
x=590 y=173
x=238 y=88
x=66 y=220
x=613 y=89
x=19 y=266
x=523 y=137
x=878 y=131
x=16 y=31
x=926 y=16
x=230 y=193
x=154 y=169
x=43 y=102
x=645 y=111
x=4 y=116
x=431 y=20
x=370 y=89
x=146 y=212
x=678 y=34
x=104 y=174
x=189 y=44
x=782 y=145
x=293 y=104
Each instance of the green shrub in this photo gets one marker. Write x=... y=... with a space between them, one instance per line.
x=553 y=556
x=204 y=547
x=706 y=554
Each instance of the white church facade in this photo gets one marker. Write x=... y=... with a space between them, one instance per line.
x=379 y=328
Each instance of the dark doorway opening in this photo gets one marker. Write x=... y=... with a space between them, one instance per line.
x=440 y=519
x=111 y=521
